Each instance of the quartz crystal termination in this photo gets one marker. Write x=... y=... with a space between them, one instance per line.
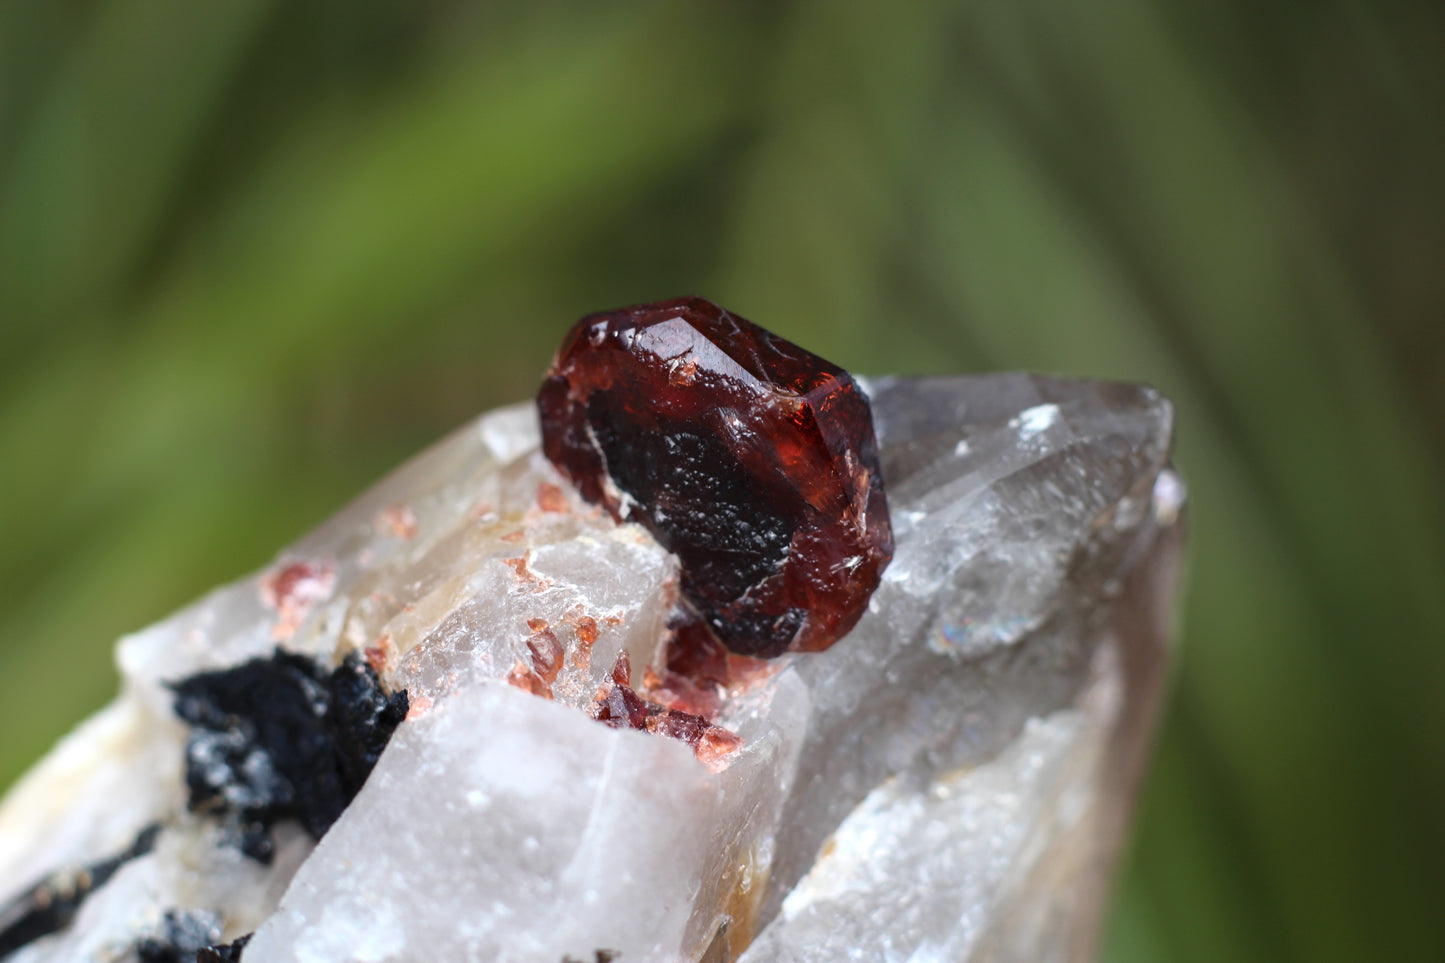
x=751 y=460
x=948 y=781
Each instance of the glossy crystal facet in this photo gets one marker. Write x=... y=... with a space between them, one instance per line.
x=750 y=459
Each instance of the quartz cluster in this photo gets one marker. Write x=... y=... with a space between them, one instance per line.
x=515 y=761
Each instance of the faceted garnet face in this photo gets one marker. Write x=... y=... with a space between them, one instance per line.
x=749 y=458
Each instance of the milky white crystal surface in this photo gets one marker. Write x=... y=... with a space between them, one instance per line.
x=948 y=782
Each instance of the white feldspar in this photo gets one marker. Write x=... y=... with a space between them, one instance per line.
x=948 y=782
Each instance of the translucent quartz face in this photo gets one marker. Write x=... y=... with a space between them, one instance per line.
x=946 y=782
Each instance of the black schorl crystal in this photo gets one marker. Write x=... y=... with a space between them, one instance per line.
x=281 y=738
x=184 y=934
x=50 y=905
x=225 y=953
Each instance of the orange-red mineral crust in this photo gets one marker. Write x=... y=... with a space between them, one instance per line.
x=750 y=459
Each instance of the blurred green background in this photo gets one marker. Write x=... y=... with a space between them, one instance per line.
x=253 y=253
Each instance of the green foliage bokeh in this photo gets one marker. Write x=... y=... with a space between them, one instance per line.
x=254 y=253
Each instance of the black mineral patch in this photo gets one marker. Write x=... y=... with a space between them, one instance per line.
x=183 y=934
x=51 y=905
x=225 y=953
x=282 y=738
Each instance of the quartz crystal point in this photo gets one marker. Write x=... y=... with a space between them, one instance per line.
x=949 y=781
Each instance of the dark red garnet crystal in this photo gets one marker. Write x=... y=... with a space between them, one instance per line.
x=749 y=458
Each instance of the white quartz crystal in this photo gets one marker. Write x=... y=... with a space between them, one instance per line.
x=948 y=782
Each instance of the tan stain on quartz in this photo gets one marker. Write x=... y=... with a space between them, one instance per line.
x=746 y=881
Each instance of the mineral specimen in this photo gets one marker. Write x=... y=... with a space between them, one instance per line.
x=946 y=782
x=751 y=460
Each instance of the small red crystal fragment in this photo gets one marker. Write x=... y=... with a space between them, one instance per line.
x=715 y=746
x=420 y=706
x=525 y=678
x=622 y=669
x=678 y=692
x=749 y=458
x=293 y=590
x=683 y=726
x=620 y=708
x=546 y=655
x=550 y=498
x=523 y=569
x=586 y=630
x=378 y=656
